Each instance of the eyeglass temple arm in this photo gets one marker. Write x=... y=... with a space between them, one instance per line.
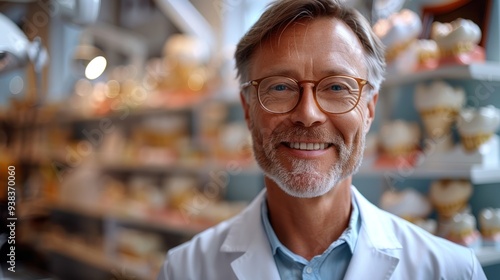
x=247 y=84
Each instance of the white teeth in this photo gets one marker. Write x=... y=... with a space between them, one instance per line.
x=308 y=146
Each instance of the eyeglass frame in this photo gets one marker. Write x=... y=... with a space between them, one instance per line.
x=361 y=83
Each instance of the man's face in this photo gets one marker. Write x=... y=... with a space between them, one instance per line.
x=306 y=152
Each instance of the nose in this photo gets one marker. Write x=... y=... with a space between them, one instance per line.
x=307 y=113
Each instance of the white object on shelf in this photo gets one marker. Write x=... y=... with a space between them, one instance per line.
x=487 y=155
x=476 y=173
x=487 y=71
x=488 y=256
x=482 y=175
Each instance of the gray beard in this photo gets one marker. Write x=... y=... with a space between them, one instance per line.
x=305 y=180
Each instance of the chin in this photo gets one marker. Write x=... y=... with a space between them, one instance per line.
x=303 y=180
x=305 y=185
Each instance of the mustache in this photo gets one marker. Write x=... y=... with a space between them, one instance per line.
x=286 y=134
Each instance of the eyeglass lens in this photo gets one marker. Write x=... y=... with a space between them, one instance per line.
x=333 y=94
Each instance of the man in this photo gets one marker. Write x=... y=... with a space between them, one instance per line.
x=310 y=73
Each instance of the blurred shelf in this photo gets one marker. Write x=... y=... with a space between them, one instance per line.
x=487 y=71
x=171 y=221
x=155 y=168
x=32 y=208
x=130 y=114
x=68 y=119
x=476 y=173
x=234 y=167
x=488 y=256
x=96 y=258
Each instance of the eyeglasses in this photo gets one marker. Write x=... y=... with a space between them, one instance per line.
x=333 y=94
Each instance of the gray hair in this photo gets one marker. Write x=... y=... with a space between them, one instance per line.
x=282 y=13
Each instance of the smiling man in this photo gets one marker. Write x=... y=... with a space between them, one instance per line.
x=310 y=72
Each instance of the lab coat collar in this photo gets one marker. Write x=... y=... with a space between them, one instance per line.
x=377 y=249
x=375 y=255
x=248 y=237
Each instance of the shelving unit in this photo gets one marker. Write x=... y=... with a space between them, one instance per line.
x=108 y=222
x=487 y=73
x=477 y=174
x=488 y=256
x=96 y=258
x=161 y=223
x=105 y=257
x=201 y=169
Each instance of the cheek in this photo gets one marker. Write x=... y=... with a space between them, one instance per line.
x=262 y=122
x=363 y=117
x=253 y=115
x=351 y=125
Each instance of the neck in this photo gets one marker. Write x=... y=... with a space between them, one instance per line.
x=307 y=226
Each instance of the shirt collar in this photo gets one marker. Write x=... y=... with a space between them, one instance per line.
x=271 y=235
x=350 y=234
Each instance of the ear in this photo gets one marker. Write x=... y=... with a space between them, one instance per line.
x=371 y=111
x=246 y=108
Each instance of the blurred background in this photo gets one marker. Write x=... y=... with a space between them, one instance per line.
x=121 y=132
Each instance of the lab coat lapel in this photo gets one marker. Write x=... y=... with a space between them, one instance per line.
x=375 y=255
x=247 y=235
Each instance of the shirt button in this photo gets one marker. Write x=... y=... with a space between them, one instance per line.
x=309 y=270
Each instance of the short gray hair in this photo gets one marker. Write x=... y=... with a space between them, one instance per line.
x=282 y=13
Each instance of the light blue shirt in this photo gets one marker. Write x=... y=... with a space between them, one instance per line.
x=332 y=264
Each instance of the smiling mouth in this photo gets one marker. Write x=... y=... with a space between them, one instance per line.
x=307 y=146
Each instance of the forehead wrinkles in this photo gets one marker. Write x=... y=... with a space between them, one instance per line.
x=286 y=46
x=299 y=30
x=331 y=39
x=309 y=49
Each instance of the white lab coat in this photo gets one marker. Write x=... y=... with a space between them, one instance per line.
x=387 y=248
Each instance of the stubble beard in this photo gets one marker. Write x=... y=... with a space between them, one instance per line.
x=305 y=178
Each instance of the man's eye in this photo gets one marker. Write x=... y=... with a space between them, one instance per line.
x=336 y=87
x=280 y=87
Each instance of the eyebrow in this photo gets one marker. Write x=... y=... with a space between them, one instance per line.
x=294 y=74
